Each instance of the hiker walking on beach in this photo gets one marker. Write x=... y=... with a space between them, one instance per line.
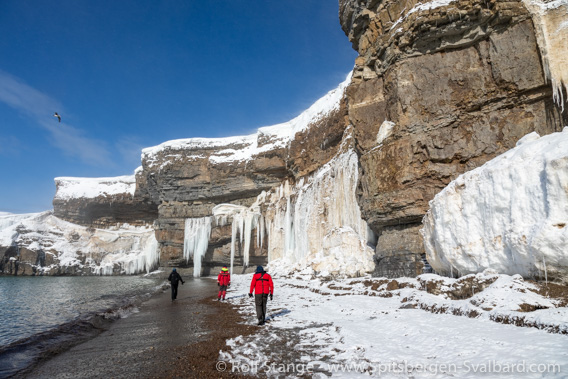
x=175 y=278
x=223 y=281
x=262 y=287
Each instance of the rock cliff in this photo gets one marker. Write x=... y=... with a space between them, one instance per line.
x=438 y=89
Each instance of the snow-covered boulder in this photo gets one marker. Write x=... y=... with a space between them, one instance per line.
x=511 y=214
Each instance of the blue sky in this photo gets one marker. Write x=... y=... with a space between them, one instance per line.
x=130 y=74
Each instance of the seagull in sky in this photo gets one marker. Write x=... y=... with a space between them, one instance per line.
x=58 y=116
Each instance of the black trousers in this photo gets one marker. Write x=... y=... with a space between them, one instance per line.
x=174 y=291
x=261 y=301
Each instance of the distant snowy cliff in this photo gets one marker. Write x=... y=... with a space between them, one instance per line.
x=42 y=244
x=510 y=215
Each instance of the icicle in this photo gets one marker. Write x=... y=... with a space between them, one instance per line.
x=196 y=241
x=288 y=229
x=247 y=232
x=545 y=272
x=241 y=222
x=151 y=254
x=234 y=229
x=258 y=238
x=261 y=230
x=269 y=247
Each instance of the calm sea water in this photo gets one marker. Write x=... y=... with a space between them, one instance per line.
x=39 y=313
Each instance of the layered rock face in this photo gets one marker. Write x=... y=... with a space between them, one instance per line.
x=188 y=178
x=438 y=89
x=102 y=202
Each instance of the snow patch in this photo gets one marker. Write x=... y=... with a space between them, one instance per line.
x=343 y=328
x=385 y=131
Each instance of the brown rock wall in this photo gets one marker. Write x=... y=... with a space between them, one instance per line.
x=105 y=211
x=461 y=83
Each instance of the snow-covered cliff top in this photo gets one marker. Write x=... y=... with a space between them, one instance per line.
x=248 y=146
x=68 y=187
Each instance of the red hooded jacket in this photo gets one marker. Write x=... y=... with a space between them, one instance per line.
x=262 y=284
x=224 y=278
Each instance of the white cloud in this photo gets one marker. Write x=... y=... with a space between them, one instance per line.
x=40 y=107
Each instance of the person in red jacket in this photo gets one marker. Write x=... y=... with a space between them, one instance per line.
x=223 y=281
x=262 y=287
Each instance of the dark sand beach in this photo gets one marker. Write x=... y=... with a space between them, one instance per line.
x=165 y=339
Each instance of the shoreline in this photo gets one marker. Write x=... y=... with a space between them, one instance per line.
x=164 y=339
x=64 y=326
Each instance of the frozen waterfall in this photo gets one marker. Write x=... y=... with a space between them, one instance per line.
x=317 y=222
x=550 y=18
x=245 y=220
x=196 y=241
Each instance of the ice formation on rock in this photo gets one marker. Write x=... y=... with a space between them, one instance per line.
x=196 y=241
x=551 y=22
x=317 y=222
x=244 y=221
x=123 y=249
x=511 y=214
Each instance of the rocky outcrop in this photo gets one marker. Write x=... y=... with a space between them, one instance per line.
x=438 y=89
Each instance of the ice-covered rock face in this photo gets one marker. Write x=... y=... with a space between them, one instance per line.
x=551 y=22
x=188 y=178
x=511 y=214
x=439 y=88
x=317 y=222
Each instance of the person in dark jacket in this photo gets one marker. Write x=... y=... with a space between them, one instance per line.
x=223 y=281
x=263 y=287
x=175 y=278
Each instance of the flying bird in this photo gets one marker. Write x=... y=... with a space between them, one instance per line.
x=58 y=116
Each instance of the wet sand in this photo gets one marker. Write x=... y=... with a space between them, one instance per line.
x=164 y=339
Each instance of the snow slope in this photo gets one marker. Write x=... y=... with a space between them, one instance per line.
x=343 y=328
x=511 y=214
